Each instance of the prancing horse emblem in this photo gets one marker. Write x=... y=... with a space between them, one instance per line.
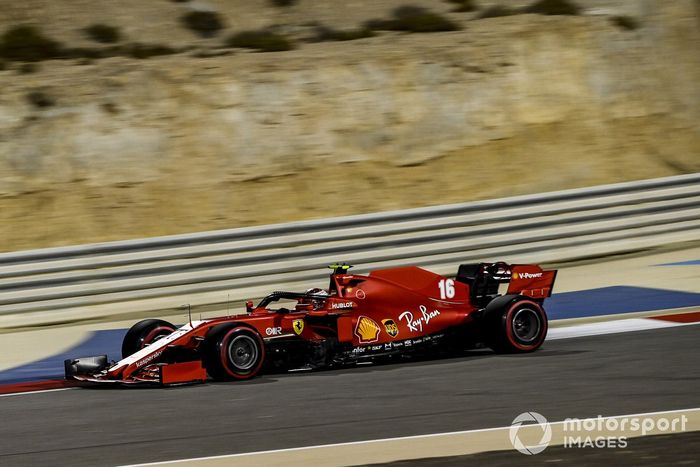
x=298 y=325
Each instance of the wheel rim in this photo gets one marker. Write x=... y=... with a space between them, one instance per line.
x=526 y=325
x=243 y=352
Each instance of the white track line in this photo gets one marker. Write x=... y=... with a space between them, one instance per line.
x=250 y=456
x=610 y=327
x=26 y=393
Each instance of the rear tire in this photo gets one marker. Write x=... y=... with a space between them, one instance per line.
x=144 y=333
x=518 y=327
x=233 y=352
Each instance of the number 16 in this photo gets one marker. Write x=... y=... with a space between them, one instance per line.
x=447 y=288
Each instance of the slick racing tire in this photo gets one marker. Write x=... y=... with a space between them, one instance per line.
x=145 y=333
x=233 y=352
x=516 y=326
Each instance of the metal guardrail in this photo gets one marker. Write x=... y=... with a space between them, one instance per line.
x=554 y=226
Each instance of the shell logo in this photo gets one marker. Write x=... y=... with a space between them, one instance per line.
x=367 y=330
x=515 y=275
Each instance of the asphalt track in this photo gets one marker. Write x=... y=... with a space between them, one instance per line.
x=612 y=374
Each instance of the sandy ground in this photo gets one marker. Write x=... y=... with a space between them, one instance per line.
x=566 y=157
x=557 y=154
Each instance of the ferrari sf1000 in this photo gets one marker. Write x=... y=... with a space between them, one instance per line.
x=389 y=313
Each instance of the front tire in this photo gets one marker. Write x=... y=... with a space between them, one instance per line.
x=518 y=327
x=233 y=353
x=144 y=333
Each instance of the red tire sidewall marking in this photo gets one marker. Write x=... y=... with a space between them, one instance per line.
x=223 y=352
x=509 y=325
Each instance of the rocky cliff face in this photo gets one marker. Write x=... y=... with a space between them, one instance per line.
x=122 y=148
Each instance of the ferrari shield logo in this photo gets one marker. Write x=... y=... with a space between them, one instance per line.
x=367 y=330
x=390 y=327
x=298 y=325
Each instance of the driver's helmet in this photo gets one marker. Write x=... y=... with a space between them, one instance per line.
x=317 y=302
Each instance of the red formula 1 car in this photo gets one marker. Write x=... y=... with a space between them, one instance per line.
x=387 y=314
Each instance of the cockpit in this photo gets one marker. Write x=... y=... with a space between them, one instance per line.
x=314 y=299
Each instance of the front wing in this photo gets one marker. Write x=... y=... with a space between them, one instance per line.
x=95 y=370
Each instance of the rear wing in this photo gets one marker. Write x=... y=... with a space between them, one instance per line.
x=484 y=279
x=531 y=280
